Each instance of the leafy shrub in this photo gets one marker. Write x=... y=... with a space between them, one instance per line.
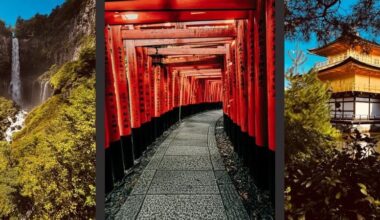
x=333 y=185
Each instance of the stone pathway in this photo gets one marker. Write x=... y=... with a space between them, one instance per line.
x=186 y=178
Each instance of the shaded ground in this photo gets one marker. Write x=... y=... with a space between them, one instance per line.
x=117 y=197
x=162 y=187
x=185 y=179
x=256 y=201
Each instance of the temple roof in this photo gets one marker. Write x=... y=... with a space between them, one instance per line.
x=344 y=43
x=350 y=63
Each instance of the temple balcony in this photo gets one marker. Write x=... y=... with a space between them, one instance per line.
x=355 y=87
x=364 y=58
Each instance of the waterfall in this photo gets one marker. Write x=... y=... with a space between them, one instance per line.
x=41 y=91
x=15 y=86
x=45 y=91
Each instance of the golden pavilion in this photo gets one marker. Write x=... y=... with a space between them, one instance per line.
x=353 y=70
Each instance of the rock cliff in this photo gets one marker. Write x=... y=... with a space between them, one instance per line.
x=5 y=58
x=48 y=41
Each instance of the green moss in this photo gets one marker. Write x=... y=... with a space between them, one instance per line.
x=67 y=74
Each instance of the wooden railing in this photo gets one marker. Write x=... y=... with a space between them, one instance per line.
x=372 y=60
x=356 y=88
x=354 y=117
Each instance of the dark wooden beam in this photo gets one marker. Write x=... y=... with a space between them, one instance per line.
x=191 y=60
x=186 y=51
x=159 y=42
x=204 y=71
x=208 y=77
x=202 y=66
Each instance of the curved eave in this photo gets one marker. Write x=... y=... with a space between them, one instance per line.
x=347 y=61
x=342 y=43
x=321 y=51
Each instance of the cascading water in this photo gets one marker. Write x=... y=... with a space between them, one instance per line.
x=44 y=90
x=16 y=125
x=15 y=86
x=15 y=92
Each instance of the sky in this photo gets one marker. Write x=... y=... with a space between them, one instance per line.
x=11 y=9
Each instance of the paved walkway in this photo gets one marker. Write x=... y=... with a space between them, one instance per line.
x=186 y=178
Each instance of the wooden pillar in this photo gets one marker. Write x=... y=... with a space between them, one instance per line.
x=251 y=77
x=270 y=69
x=260 y=76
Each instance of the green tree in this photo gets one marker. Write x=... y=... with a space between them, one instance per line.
x=328 y=19
x=307 y=113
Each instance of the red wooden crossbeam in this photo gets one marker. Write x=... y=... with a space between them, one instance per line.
x=196 y=5
x=178 y=33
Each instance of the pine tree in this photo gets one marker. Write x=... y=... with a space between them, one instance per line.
x=307 y=113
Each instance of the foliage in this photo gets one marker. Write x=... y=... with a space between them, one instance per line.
x=323 y=181
x=307 y=115
x=66 y=75
x=6 y=181
x=51 y=39
x=54 y=155
x=327 y=19
x=333 y=185
x=4 y=30
x=45 y=25
x=7 y=109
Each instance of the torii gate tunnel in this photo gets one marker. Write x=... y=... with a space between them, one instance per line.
x=166 y=60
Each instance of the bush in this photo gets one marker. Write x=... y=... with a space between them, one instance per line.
x=333 y=185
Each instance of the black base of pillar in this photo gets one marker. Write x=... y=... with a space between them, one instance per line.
x=272 y=174
x=262 y=167
x=126 y=143
x=252 y=156
x=108 y=171
x=117 y=161
x=245 y=148
x=144 y=136
x=137 y=151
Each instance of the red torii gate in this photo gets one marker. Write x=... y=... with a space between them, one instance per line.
x=144 y=100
